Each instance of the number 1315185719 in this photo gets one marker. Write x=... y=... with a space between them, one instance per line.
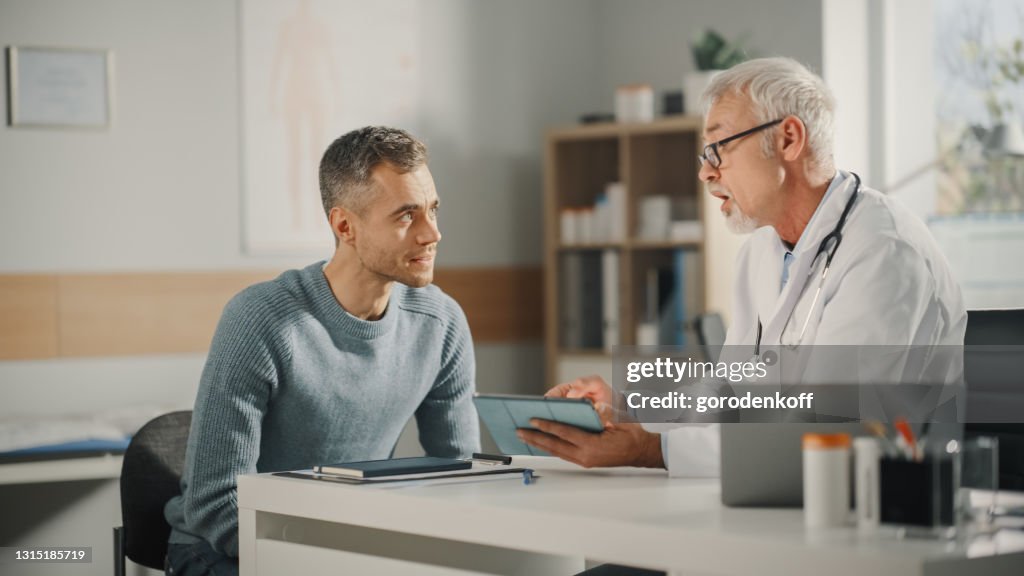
x=45 y=554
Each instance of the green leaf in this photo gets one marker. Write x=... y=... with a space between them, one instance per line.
x=711 y=51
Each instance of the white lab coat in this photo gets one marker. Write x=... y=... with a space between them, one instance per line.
x=889 y=284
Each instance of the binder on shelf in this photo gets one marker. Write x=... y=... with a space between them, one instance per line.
x=658 y=317
x=679 y=305
x=589 y=300
x=570 y=329
x=591 y=313
x=688 y=294
x=610 y=300
x=664 y=294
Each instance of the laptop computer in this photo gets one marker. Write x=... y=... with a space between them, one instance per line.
x=762 y=464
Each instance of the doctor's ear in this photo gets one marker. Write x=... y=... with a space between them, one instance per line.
x=792 y=138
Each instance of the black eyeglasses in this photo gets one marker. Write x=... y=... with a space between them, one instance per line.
x=710 y=154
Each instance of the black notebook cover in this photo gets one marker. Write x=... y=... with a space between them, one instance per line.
x=394 y=467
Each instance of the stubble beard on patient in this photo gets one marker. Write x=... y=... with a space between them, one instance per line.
x=389 y=268
x=736 y=220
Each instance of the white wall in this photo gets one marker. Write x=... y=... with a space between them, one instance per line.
x=159 y=190
x=908 y=92
x=879 y=61
x=846 y=62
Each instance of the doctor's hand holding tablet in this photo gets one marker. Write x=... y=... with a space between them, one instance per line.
x=592 y=388
x=620 y=444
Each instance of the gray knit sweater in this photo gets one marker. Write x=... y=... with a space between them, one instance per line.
x=292 y=381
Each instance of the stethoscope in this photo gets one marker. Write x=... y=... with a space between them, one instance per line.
x=829 y=245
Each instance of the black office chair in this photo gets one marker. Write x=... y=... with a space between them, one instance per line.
x=150 y=476
x=989 y=375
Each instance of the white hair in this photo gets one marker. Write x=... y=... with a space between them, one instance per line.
x=780 y=87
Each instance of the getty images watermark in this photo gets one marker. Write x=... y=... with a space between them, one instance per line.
x=663 y=384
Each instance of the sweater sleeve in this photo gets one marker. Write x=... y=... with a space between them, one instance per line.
x=240 y=374
x=447 y=419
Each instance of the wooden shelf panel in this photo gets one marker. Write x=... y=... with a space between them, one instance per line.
x=665 y=244
x=586 y=132
x=614 y=129
x=633 y=245
x=584 y=352
x=591 y=246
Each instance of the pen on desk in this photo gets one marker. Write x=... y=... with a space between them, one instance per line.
x=528 y=477
x=491 y=459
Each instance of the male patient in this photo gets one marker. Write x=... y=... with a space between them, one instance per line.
x=328 y=363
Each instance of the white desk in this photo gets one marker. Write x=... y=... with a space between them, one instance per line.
x=636 y=518
x=101 y=467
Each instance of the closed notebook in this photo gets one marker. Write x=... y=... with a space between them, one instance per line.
x=394 y=467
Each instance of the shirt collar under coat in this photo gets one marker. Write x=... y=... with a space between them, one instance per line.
x=770 y=299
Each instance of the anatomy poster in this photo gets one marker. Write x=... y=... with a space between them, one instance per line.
x=311 y=71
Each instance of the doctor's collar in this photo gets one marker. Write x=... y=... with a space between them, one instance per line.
x=837 y=181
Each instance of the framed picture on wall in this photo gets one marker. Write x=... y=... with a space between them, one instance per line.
x=58 y=87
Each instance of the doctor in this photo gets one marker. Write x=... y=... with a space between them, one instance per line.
x=829 y=261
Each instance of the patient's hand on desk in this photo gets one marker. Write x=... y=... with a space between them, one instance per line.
x=620 y=444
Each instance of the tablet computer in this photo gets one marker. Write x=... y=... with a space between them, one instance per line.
x=504 y=413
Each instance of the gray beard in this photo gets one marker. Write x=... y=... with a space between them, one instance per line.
x=739 y=223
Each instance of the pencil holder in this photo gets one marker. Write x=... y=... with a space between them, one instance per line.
x=917 y=494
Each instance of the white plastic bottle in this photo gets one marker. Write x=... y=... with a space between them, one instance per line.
x=826 y=479
x=866 y=456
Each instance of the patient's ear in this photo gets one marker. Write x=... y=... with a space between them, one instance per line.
x=793 y=137
x=343 y=225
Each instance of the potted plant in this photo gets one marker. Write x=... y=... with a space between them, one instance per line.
x=712 y=53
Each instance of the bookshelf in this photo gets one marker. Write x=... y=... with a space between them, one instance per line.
x=602 y=275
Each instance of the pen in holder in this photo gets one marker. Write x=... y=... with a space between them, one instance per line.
x=918 y=495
